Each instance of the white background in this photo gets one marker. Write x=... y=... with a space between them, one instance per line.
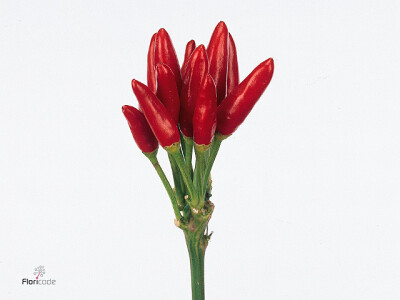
x=306 y=191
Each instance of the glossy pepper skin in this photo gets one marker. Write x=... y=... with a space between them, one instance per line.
x=167 y=91
x=197 y=70
x=160 y=121
x=217 y=52
x=190 y=46
x=235 y=107
x=151 y=73
x=165 y=53
x=205 y=113
x=141 y=131
x=233 y=67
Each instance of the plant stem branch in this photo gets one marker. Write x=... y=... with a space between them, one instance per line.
x=218 y=138
x=153 y=159
x=179 y=189
x=188 y=153
x=199 y=172
x=185 y=174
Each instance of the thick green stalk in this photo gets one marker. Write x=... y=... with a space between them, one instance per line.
x=196 y=242
x=197 y=237
x=196 y=256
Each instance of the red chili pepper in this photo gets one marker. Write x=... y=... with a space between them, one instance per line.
x=205 y=113
x=217 y=51
x=167 y=91
x=190 y=46
x=197 y=70
x=140 y=129
x=236 y=106
x=233 y=68
x=165 y=53
x=151 y=75
x=161 y=123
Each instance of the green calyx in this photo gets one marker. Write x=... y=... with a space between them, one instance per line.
x=172 y=148
x=202 y=148
x=152 y=156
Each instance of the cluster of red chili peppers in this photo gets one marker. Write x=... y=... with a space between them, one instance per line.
x=193 y=106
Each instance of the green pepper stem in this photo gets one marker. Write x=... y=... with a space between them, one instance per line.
x=179 y=189
x=187 y=146
x=218 y=138
x=199 y=170
x=196 y=255
x=153 y=159
x=185 y=174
